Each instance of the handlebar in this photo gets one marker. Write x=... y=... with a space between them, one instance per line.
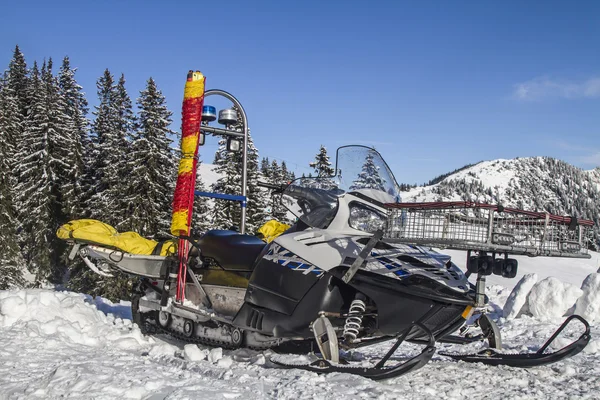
x=271 y=186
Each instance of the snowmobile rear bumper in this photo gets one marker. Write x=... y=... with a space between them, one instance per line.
x=379 y=371
x=493 y=357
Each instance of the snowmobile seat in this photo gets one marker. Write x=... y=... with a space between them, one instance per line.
x=231 y=250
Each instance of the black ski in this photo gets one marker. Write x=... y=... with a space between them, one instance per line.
x=526 y=360
x=379 y=371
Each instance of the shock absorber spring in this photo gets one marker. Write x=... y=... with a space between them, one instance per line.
x=354 y=320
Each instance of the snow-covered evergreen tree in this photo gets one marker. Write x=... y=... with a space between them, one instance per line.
x=62 y=140
x=76 y=108
x=274 y=174
x=278 y=178
x=265 y=166
x=369 y=177
x=121 y=168
x=17 y=80
x=126 y=121
x=14 y=93
x=257 y=199
x=323 y=170
x=11 y=128
x=100 y=144
x=322 y=165
x=226 y=214
x=151 y=160
x=39 y=170
x=111 y=128
x=288 y=175
x=11 y=262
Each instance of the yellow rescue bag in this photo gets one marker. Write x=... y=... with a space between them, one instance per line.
x=99 y=233
x=272 y=229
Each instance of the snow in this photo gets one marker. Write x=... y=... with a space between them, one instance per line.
x=68 y=317
x=215 y=355
x=588 y=305
x=191 y=352
x=68 y=345
x=496 y=174
x=550 y=298
x=208 y=174
x=518 y=297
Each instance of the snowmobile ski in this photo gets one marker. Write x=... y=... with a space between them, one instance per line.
x=379 y=371
x=526 y=360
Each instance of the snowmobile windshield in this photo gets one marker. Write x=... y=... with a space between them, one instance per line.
x=359 y=169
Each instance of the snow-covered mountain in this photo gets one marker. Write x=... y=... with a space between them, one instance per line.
x=595 y=176
x=532 y=183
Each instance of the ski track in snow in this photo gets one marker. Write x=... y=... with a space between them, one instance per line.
x=67 y=345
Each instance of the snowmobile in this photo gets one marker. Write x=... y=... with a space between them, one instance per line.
x=356 y=269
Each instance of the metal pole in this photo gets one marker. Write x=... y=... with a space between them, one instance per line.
x=221 y=131
x=244 y=151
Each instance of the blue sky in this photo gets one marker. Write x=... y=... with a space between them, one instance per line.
x=433 y=85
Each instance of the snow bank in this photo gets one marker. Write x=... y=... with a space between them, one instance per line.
x=550 y=298
x=67 y=316
x=588 y=305
x=518 y=297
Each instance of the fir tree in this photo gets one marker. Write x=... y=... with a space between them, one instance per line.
x=111 y=128
x=14 y=98
x=11 y=128
x=61 y=140
x=11 y=262
x=152 y=163
x=265 y=167
x=18 y=80
x=100 y=144
x=278 y=178
x=369 y=177
x=286 y=174
x=120 y=168
x=323 y=170
x=126 y=121
x=76 y=108
x=226 y=214
x=322 y=165
x=256 y=196
x=39 y=169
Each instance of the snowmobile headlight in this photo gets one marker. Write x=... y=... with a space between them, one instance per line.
x=365 y=218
